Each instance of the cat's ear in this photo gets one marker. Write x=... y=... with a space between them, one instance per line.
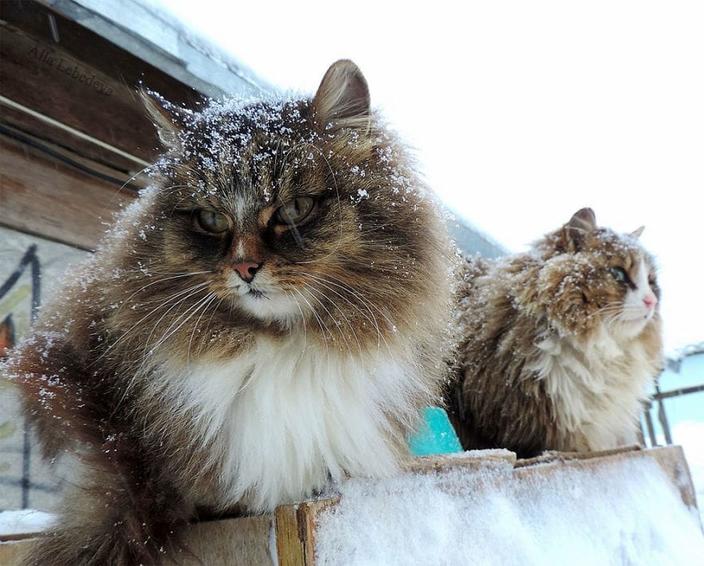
x=342 y=99
x=167 y=118
x=637 y=233
x=582 y=223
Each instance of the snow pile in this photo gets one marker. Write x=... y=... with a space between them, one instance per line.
x=625 y=513
x=24 y=521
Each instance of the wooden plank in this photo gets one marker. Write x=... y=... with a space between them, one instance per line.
x=290 y=547
x=83 y=81
x=295 y=531
x=472 y=460
x=11 y=553
x=48 y=198
x=237 y=542
x=307 y=518
x=125 y=179
x=671 y=460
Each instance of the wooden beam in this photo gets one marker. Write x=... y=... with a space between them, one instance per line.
x=295 y=531
x=46 y=197
x=235 y=542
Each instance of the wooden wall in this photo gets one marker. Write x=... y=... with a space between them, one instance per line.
x=72 y=130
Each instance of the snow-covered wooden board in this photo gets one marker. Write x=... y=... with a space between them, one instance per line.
x=316 y=532
x=339 y=531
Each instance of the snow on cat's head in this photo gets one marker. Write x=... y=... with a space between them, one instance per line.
x=597 y=279
x=292 y=210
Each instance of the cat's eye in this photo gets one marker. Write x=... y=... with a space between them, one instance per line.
x=619 y=274
x=296 y=211
x=211 y=221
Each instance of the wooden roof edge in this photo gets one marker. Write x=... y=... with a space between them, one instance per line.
x=162 y=41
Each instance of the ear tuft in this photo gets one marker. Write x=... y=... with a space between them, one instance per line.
x=165 y=117
x=583 y=220
x=637 y=232
x=573 y=233
x=343 y=97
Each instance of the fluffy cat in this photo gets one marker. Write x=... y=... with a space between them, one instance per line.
x=559 y=343
x=268 y=317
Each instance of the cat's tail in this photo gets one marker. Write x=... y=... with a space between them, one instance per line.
x=117 y=516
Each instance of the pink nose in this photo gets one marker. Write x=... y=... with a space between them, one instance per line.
x=247 y=270
x=650 y=301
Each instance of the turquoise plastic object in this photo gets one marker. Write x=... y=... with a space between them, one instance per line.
x=436 y=435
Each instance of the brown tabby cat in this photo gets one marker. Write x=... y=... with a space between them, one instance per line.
x=560 y=343
x=268 y=317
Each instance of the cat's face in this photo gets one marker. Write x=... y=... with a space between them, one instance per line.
x=293 y=210
x=596 y=277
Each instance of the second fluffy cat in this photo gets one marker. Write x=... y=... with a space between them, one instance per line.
x=560 y=343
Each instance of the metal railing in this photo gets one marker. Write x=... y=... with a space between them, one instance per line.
x=658 y=400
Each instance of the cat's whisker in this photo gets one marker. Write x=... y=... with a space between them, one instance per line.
x=133 y=177
x=176 y=276
x=215 y=310
x=303 y=319
x=326 y=285
x=368 y=304
x=128 y=332
x=347 y=321
x=331 y=317
x=183 y=296
x=323 y=281
x=323 y=329
x=138 y=369
x=195 y=326
x=339 y=205
x=192 y=310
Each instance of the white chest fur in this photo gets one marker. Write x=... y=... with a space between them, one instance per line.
x=284 y=418
x=596 y=389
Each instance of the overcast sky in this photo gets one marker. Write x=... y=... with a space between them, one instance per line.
x=520 y=112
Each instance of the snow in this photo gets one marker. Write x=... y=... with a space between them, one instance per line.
x=626 y=513
x=24 y=521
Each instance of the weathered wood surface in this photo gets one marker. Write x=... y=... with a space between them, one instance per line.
x=46 y=197
x=236 y=542
x=232 y=542
x=295 y=531
x=81 y=80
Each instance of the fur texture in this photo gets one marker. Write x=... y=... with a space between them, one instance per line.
x=268 y=317
x=560 y=343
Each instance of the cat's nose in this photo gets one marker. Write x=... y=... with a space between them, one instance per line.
x=650 y=301
x=247 y=270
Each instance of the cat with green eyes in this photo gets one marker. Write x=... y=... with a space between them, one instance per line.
x=269 y=317
x=560 y=344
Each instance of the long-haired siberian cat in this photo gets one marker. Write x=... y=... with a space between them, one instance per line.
x=268 y=317
x=559 y=343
